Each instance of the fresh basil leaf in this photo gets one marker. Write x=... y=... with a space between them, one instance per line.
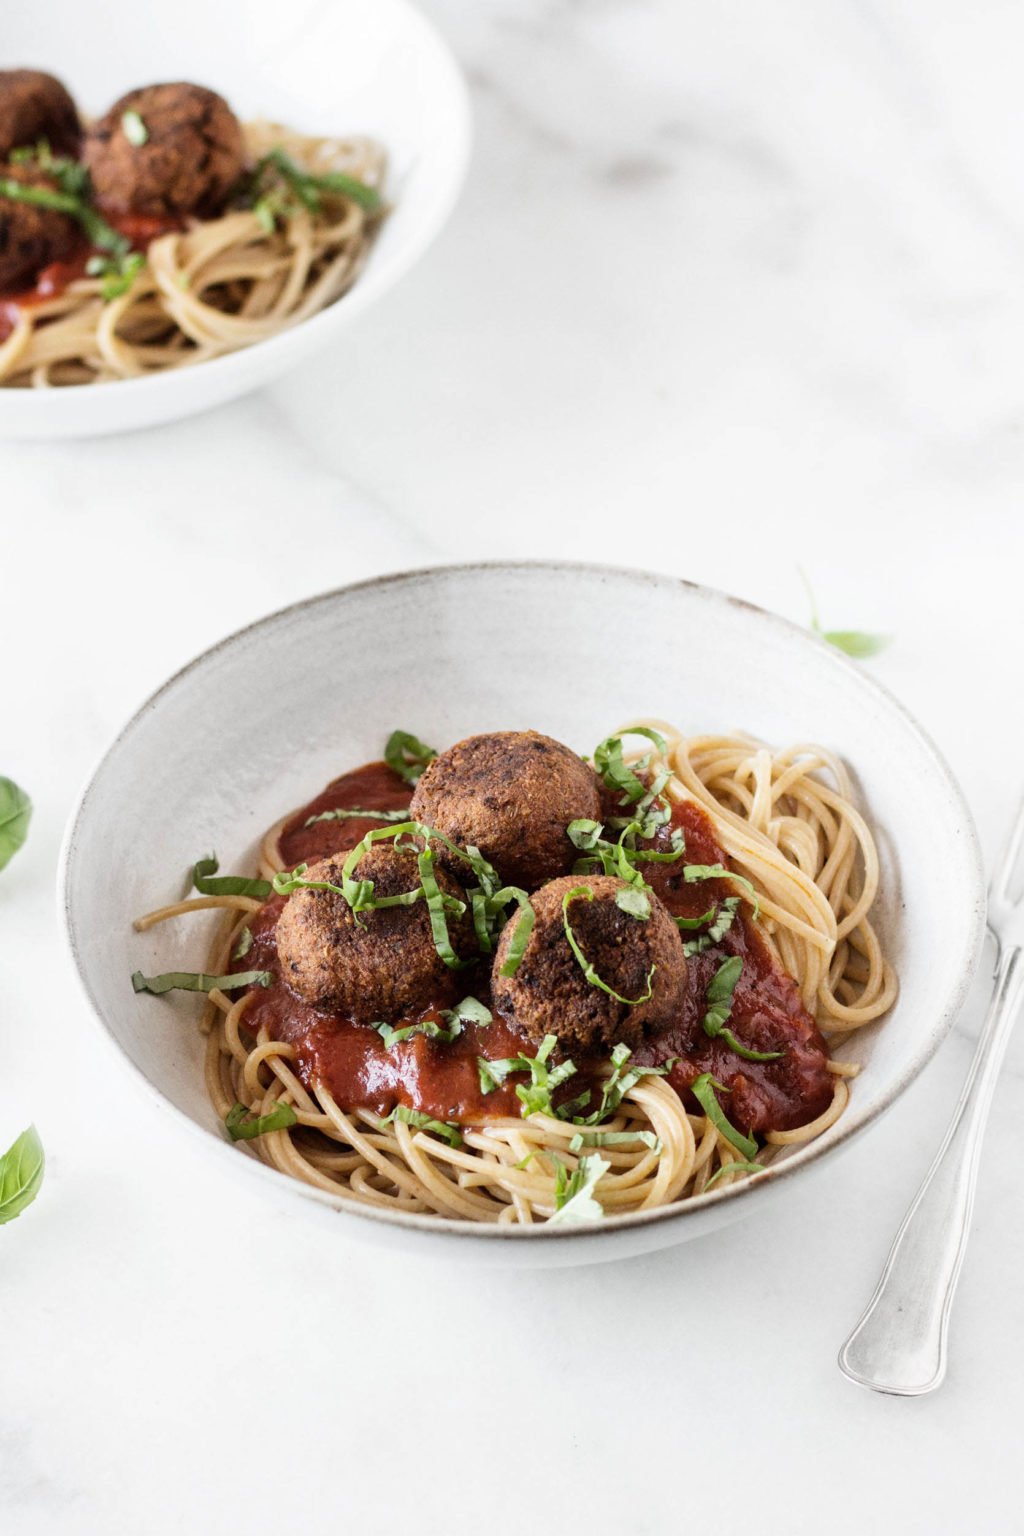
x=343 y=813
x=407 y=755
x=584 y=834
x=613 y=1139
x=15 y=815
x=695 y=872
x=609 y=763
x=243 y=945
x=634 y=900
x=198 y=981
x=703 y=1090
x=536 y=1098
x=584 y=892
x=575 y=1200
x=242 y=1128
x=226 y=885
x=856 y=642
x=469 y=1011
x=21 y=1174
x=448 y=1132
x=616 y=1086
x=524 y=922
x=732 y=1168
x=723 y=921
x=134 y=129
x=690 y=923
x=719 y=1000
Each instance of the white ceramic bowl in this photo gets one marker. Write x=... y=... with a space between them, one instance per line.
x=361 y=66
x=571 y=650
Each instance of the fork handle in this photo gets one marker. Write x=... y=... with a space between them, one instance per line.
x=899 y=1345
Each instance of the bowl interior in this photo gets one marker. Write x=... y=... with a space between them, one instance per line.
x=259 y=724
x=346 y=67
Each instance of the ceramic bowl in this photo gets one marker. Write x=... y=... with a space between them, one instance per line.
x=372 y=67
x=571 y=650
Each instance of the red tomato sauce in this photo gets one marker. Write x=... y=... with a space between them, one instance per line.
x=441 y=1079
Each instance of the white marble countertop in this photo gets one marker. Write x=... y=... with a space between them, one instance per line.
x=728 y=292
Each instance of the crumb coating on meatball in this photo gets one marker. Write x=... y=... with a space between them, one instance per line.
x=382 y=966
x=511 y=794
x=188 y=162
x=550 y=993
x=35 y=106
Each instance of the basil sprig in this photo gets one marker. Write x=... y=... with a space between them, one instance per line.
x=198 y=981
x=447 y=1131
x=719 y=1011
x=585 y=893
x=469 y=1011
x=703 y=1090
x=407 y=756
x=204 y=871
x=15 y=815
x=241 y=1127
x=21 y=1174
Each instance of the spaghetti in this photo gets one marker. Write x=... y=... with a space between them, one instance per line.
x=210 y=288
x=788 y=824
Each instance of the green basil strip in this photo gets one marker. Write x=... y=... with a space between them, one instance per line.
x=732 y=1168
x=134 y=129
x=703 y=1090
x=574 y=1199
x=609 y=763
x=407 y=755
x=436 y=907
x=226 y=885
x=635 y=901
x=241 y=1128
x=243 y=945
x=719 y=999
x=123 y=262
x=695 y=922
x=613 y=1139
x=306 y=184
x=694 y=872
x=343 y=813
x=723 y=921
x=585 y=892
x=197 y=981
x=21 y=1174
x=448 y=1132
x=537 y=1097
x=15 y=815
x=469 y=1011
x=617 y=1085
x=521 y=933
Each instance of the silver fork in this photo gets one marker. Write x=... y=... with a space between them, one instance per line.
x=899 y=1345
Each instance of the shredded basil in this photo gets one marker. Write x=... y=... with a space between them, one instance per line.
x=695 y=872
x=407 y=756
x=609 y=763
x=121 y=265
x=134 y=129
x=613 y=1139
x=21 y=1174
x=723 y=921
x=304 y=187
x=243 y=945
x=469 y=1011
x=226 y=885
x=447 y=1131
x=585 y=892
x=617 y=1085
x=198 y=981
x=853 y=642
x=15 y=815
x=719 y=1000
x=634 y=901
x=343 y=813
x=574 y=1198
x=536 y=1097
x=242 y=1128
x=703 y=1090
x=732 y=1168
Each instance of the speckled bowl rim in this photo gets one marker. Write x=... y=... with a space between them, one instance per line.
x=851 y=1124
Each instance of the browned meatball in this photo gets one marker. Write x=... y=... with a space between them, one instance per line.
x=382 y=968
x=36 y=106
x=550 y=994
x=30 y=236
x=511 y=794
x=192 y=155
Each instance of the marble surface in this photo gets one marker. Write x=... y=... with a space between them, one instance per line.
x=730 y=291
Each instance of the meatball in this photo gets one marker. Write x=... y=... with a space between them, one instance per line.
x=382 y=968
x=550 y=994
x=36 y=106
x=511 y=794
x=164 y=151
x=31 y=236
